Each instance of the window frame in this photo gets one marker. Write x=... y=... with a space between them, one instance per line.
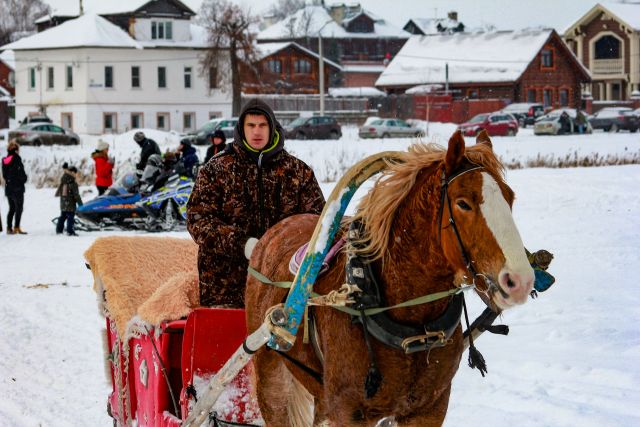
x=188 y=77
x=50 y=78
x=162 y=77
x=165 y=115
x=62 y=118
x=114 y=124
x=552 y=57
x=31 y=78
x=192 y=119
x=141 y=115
x=135 y=75
x=68 y=77
x=108 y=77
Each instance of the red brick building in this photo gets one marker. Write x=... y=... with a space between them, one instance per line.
x=607 y=41
x=7 y=76
x=522 y=66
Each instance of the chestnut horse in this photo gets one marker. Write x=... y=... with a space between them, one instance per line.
x=413 y=246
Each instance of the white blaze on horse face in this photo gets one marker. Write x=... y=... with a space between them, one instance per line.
x=516 y=277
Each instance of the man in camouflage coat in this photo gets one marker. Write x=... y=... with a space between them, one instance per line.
x=238 y=195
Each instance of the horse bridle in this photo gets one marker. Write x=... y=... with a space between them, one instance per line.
x=444 y=198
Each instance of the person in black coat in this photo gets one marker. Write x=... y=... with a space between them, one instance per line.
x=218 y=142
x=15 y=179
x=188 y=158
x=147 y=147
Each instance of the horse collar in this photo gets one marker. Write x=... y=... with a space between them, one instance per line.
x=409 y=339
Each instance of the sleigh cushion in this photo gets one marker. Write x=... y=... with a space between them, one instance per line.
x=153 y=277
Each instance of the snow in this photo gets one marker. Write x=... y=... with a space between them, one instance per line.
x=479 y=57
x=313 y=20
x=267 y=49
x=88 y=30
x=569 y=360
x=338 y=92
x=9 y=58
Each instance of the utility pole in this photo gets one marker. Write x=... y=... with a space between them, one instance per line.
x=321 y=74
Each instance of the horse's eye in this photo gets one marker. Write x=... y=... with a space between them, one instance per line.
x=463 y=205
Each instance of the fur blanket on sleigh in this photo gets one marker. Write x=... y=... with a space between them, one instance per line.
x=154 y=278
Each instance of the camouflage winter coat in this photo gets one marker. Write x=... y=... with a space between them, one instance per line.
x=68 y=192
x=236 y=197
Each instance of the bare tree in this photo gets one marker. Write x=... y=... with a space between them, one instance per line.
x=300 y=26
x=19 y=16
x=284 y=8
x=229 y=29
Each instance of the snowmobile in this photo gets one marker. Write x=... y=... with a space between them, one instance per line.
x=166 y=208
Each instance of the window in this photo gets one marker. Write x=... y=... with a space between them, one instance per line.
x=607 y=47
x=161 y=30
x=472 y=93
x=274 y=66
x=137 y=120
x=162 y=77
x=213 y=77
x=162 y=121
x=187 y=77
x=135 y=76
x=615 y=91
x=563 y=96
x=12 y=79
x=109 y=121
x=302 y=66
x=214 y=114
x=188 y=119
x=69 y=77
x=531 y=95
x=50 y=78
x=108 y=76
x=32 y=78
x=547 y=97
x=66 y=119
x=547 y=58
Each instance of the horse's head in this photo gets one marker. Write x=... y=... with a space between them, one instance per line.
x=479 y=236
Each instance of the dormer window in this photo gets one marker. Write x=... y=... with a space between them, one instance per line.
x=161 y=30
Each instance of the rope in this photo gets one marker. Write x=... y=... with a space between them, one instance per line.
x=325 y=300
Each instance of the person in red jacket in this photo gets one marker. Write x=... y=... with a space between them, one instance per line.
x=104 y=167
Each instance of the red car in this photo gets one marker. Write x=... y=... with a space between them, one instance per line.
x=496 y=124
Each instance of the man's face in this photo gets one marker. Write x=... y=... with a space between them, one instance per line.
x=256 y=130
x=217 y=140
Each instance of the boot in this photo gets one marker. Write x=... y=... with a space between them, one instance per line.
x=9 y=230
x=18 y=230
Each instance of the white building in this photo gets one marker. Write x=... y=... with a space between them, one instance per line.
x=91 y=76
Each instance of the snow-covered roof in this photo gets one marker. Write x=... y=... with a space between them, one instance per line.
x=8 y=58
x=72 y=8
x=199 y=39
x=366 y=91
x=266 y=49
x=313 y=20
x=89 y=30
x=628 y=13
x=430 y=25
x=363 y=68
x=483 y=57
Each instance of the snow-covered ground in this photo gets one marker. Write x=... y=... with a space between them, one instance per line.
x=571 y=358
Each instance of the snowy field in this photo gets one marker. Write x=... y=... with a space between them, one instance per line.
x=570 y=360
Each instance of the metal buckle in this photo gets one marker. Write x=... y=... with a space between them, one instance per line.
x=427 y=338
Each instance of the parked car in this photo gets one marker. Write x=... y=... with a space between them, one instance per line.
x=200 y=136
x=43 y=134
x=36 y=119
x=525 y=112
x=550 y=123
x=496 y=124
x=613 y=119
x=388 y=128
x=317 y=127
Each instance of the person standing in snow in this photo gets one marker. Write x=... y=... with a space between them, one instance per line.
x=147 y=147
x=188 y=158
x=238 y=195
x=104 y=167
x=15 y=178
x=69 y=196
x=218 y=142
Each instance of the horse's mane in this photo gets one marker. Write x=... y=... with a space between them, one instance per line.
x=377 y=208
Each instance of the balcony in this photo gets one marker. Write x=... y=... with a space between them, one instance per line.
x=608 y=66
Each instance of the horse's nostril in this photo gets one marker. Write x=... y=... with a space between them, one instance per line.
x=510 y=283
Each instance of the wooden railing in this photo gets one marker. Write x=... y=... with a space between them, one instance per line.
x=608 y=66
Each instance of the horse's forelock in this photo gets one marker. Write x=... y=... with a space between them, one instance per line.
x=377 y=208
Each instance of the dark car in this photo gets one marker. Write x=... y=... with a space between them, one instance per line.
x=496 y=124
x=525 y=112
x=201 y=136
x=317 y=127
x=613 y=119
x=43 y=134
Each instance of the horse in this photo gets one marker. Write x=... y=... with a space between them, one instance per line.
x=436 y=218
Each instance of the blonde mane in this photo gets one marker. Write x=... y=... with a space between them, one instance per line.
x=377 y=209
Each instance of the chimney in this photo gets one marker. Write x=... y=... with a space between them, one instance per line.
x=337 y=12
x=453 y=15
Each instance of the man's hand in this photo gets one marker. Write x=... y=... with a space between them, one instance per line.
x=248 y=247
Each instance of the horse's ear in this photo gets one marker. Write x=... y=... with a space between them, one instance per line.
x=455 y=152
x=483 y=138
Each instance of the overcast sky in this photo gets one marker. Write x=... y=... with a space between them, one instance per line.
x=503 y=14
